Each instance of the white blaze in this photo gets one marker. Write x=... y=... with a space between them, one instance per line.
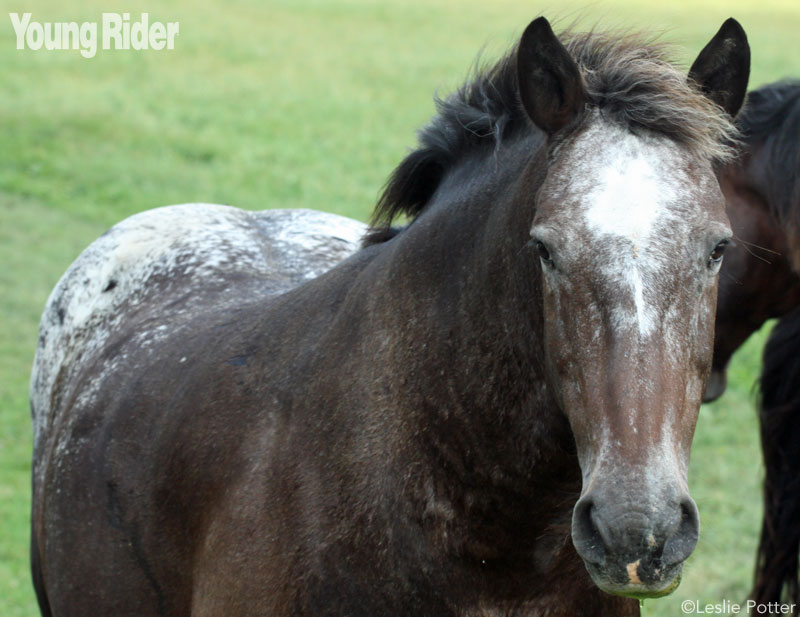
x=635 y=184
x=630 y=195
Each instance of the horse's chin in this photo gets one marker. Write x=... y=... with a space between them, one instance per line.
x=665 y=583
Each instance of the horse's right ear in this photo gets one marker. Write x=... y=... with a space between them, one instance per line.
x=550 y=82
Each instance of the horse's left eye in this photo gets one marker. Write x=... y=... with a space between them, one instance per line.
x=716 y=255
x=544 y=254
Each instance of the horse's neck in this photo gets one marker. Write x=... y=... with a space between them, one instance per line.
x=482 y=447
x=466 y=327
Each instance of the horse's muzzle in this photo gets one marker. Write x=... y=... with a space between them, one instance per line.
x=635 y=550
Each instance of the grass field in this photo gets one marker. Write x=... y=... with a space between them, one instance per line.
x=297 y=103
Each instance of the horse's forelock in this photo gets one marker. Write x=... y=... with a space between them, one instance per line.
x=634 y=80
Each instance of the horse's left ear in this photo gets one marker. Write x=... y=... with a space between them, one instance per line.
x=550 y=82
x=723 y=67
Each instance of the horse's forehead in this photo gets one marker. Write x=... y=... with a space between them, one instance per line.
x=631 y=186
x=642 y=204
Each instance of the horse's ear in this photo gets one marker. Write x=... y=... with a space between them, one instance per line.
x=723 y=67
x=550 y=82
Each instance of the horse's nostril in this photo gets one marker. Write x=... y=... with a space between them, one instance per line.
x=586 y=535
x=682 y=542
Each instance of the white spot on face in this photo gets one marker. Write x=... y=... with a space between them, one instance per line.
x=631 y=194
x=645 y=317
x=629 y=199
x=638 y=182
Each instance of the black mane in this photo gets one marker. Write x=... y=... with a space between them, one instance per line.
x=771 y=116
x=484 y=111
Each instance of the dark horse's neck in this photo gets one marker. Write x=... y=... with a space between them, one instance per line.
x=466 y=337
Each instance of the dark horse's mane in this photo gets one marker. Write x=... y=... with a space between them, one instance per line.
x=771 y=116
x=779 y=415
x=628 y=77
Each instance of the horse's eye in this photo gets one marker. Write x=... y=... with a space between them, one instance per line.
x=544 y=253
x=716 y=255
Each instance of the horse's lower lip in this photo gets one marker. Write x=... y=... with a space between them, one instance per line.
x=640 y=591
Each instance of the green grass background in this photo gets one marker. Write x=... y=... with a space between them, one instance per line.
x=298 y=103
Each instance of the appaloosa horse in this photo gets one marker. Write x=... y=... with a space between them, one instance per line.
x=419 y=430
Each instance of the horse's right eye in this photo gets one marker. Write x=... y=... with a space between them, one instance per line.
x=544 y=254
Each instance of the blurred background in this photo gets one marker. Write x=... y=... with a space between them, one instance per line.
x=300 y=104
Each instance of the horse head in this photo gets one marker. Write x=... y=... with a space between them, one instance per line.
x=630 y=229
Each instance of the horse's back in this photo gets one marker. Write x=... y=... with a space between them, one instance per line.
x=155 y=261
x=122 y=336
